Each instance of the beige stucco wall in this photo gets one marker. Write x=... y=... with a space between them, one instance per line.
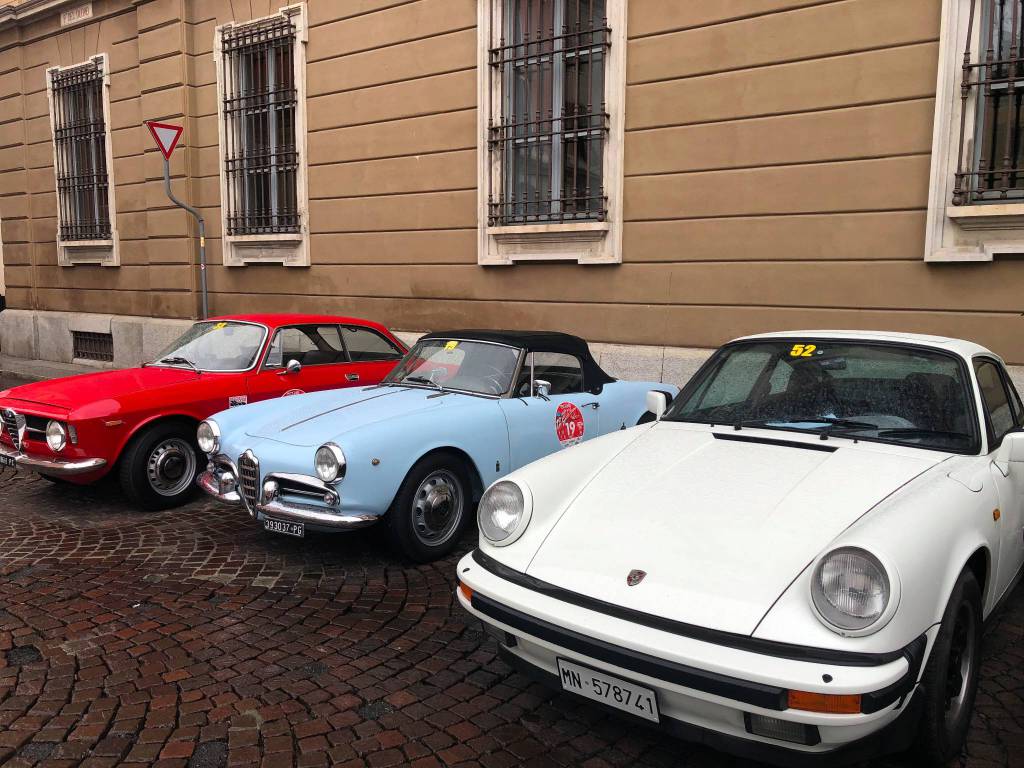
x=776 y=163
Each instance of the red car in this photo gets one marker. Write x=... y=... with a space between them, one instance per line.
x=141 y=422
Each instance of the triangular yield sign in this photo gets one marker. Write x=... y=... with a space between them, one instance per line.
x=166 y=136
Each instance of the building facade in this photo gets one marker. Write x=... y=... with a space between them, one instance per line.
x=655 y=174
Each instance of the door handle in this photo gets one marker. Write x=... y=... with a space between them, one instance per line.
x=352 y=376
x=595 y=404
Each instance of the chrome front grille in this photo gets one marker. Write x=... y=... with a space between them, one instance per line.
x=249 y=479
x=12 y=426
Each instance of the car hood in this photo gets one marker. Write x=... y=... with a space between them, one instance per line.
x=314 y=419
x=721 y=527
x=75 y=391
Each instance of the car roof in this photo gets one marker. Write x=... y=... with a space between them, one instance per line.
x=275 y=320
x=961 y=347
x=537 y=341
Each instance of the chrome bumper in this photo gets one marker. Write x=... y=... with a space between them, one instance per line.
x=54 y=467
x=308 y=514
x=211 y=482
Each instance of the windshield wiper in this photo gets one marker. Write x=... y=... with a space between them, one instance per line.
x=423 y=380
x=921 y=432
x=180 y=361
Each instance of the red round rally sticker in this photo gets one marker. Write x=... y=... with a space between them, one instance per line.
x=569 y=424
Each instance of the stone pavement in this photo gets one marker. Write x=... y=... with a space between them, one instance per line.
x=191 y=638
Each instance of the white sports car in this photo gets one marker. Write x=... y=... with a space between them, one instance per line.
x=793 y=563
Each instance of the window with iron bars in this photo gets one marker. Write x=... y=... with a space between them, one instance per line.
x=80 y=152
x=549 y=141
x=990 y=164
x=260 y=100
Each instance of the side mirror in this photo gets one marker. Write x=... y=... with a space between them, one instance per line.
x=1010 y=451
x=541 y=389
x=294 y=366
x=657 y=403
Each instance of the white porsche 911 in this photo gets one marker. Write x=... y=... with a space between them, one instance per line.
x=793 y=563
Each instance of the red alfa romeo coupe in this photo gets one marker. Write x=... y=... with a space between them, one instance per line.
x=141 y=422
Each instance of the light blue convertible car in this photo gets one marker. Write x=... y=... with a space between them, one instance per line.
x=459 y=411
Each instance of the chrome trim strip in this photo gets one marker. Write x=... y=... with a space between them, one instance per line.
x=307 y=513
x=51 y=467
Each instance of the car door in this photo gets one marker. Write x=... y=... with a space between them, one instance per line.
x=1003 y=414
x=322 y=363
x=371 y=354
x=567 y=415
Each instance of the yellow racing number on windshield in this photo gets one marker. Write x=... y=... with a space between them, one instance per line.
x=450 y=346
x=220 y=326
x=802 y=350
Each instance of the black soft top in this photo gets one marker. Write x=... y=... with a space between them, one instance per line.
x=539 y=341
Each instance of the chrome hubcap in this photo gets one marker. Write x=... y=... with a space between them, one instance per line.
x=437 y=508
x=171 y=467
x=960 y=670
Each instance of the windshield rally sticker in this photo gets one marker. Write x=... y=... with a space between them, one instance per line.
x=237 y=400
x=569 y=425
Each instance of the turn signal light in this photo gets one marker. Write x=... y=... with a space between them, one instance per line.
x=825 y=703
x=466 y=592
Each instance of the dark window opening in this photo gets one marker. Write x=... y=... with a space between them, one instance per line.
x=80 y=152
x=87 y=345
x=550 y=138
x=261 y=153
x=990 y=165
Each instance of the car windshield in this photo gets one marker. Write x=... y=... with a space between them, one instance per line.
x=215 y=346
x=865 y=391
x=464 y=366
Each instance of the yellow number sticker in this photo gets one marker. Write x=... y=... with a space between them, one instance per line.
x=220 y=326
x=450 y=346
x=802 y=350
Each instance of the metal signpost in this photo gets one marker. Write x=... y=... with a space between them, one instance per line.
x=166 y=137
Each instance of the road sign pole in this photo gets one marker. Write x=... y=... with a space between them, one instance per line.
x=202 y=236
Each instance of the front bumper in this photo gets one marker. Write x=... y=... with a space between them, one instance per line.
x=706 y=691
x=53 y=467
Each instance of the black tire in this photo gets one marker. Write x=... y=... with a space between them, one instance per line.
x=426 y=521
x=950 y=680
x=156 y=470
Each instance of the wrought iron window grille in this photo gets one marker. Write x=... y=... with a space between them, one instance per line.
x=549 y=140
x=88 y=345
x=80 y=152
x=990 y=160
x=260 y=100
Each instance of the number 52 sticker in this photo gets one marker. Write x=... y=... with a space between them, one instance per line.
x=803 y=350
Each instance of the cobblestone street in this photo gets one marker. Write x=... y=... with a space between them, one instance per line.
x=191 y=638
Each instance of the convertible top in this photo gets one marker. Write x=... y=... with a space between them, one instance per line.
x=539 y=341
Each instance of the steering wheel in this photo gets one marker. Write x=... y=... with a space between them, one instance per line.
x=494 y=379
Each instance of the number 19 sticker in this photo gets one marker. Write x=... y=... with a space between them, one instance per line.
x=569 y=424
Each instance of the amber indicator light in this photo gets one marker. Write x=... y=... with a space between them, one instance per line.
x=825 y=703
x=466 y=592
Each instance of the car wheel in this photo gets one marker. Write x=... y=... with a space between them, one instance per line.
x=950 y=680
x=159 y=466
x=430 y=511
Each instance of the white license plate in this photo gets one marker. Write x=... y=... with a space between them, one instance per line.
x=283 y=526
x=8 y=461
x=617 y=693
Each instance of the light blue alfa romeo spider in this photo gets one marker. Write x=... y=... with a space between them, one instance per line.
x=459 y=411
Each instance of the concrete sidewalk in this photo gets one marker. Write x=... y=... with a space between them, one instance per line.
x=37 y=370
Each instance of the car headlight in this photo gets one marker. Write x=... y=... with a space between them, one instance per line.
x=850 y=589
x=504 y=512
x=56 y=436
x=330 y=463
x=208 y=436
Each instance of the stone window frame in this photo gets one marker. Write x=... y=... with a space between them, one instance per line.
x=585 y=242
x=105 y=252
x=289 y=249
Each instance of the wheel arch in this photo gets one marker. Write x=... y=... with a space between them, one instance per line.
x=980 y=564
x=162 y=418
x=475 y=478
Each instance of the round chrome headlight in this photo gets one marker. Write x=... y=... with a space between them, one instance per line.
x=208 y=437
x=850 y=589
x=504 y=512
x=329 y=463
x=56 y=436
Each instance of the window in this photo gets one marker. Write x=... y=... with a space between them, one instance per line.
x=999 y=412
x=261 y=77
x=87 y=345
x=308 y=344
x=79 y=119
x=552 y=90
x=563 y=372
x=990 y=162
x=364 y=345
